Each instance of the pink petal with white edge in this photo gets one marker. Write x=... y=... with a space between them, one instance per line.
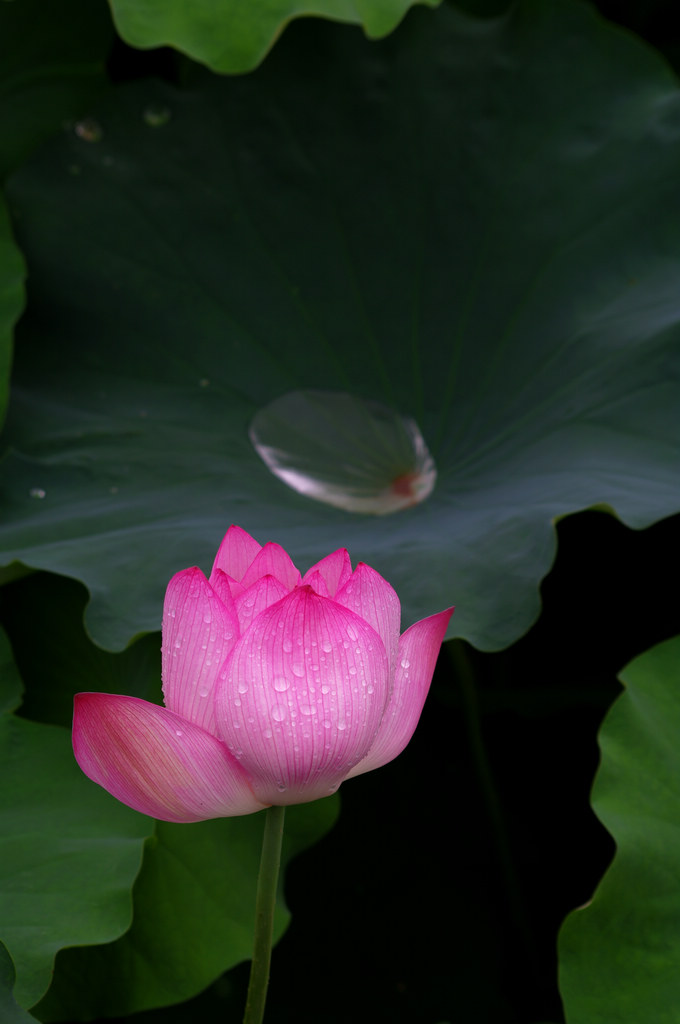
x=335 y=568
x=157 y=763
x=302 y=696
x=199 y=631
x=272 y=560
x=255 y=599
x=236 y=552
x=418 y=650
x=372 y=597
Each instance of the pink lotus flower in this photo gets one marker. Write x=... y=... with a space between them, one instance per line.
x=277 y=688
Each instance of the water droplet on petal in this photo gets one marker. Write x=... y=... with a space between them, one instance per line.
x=339 y=449
x=280 y=683
x=327 y=646
x=405 y=663
x=37 y=492
x=298 y=670
x=278 y=713
x=242 y=686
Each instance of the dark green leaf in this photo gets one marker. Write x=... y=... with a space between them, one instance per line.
x=476 y=224
x=9 y=1011
x=11 y=301
x=52 y=64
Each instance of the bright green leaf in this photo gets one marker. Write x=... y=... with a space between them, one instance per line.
x=475 y=224
x=68 y=853
x=194 y=904
x=619 y=955
x=235 y=35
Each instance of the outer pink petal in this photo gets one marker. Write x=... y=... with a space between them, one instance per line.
x=255 y=599
x=236 y=552
x=272 y=560
x=335 y=568
x=152 y=760
x=198 y=633
x=372 y=597
x=302 y=696
x=418 y=650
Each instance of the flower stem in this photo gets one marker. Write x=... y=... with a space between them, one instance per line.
x=264 y=915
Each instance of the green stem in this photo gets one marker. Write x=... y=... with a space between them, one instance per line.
x=264 y=915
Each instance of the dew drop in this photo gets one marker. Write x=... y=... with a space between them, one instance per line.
x=341 y=726
x=298 y=670
x=357 y=455
x=156 y=116
x=280 y=683
x=203 y=691
x=242 y=686
x=278 y=713
x=178 y=732
x=287 y=645
x=307 y=709
x=327 y=646
x=405 y=663
x=88 y=130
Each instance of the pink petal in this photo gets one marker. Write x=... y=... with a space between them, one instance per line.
x=157 y=763
x=255 y=599
x=418 y=650
x=373 y=599
x=236 y=552
x=226 y=588
x=199 y=631
x=335 y=568
x=302 y=696
x=317 y=582
x=272 y=561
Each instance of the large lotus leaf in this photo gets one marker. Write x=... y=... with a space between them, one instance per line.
x=234 y=35
x=476 y=224
x=619 y=955
x=10 y=1011
x=51 y=64
x=65 y=661
x=194 y=904
x=11 y=301
x=68 y=853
